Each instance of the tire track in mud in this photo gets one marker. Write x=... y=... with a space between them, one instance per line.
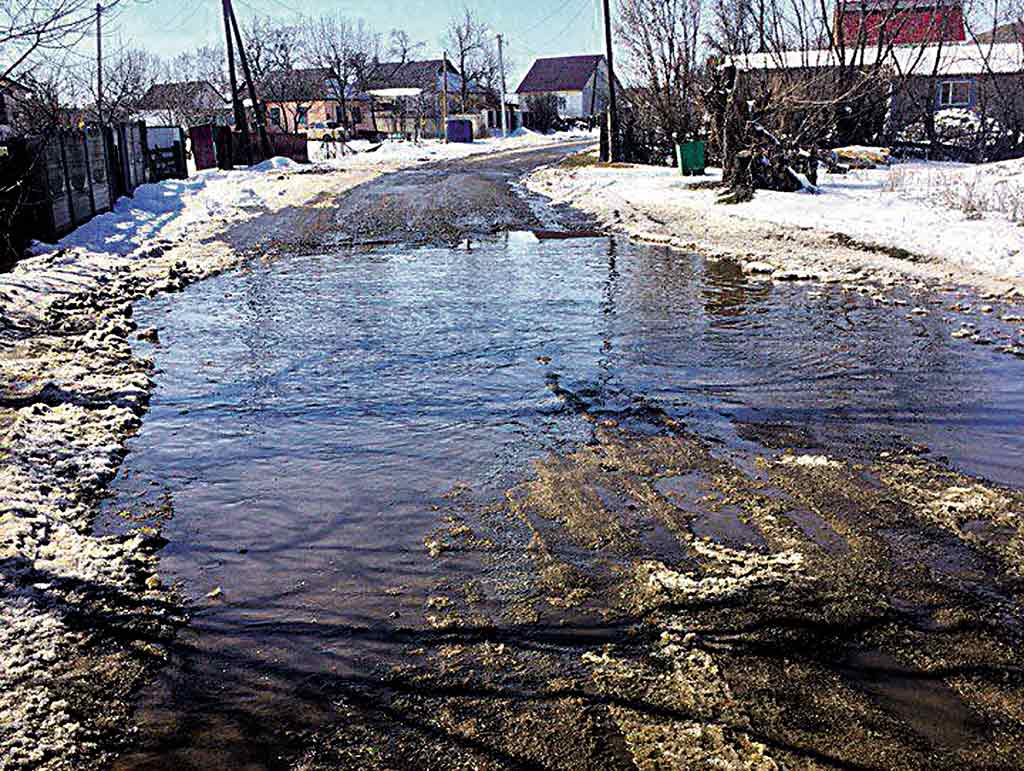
x=648 y=603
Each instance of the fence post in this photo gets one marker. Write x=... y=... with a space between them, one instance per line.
x=88 y=173
x=67 y=178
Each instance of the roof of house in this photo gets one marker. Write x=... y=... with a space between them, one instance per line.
x=559 y=73
x=888 y=6
x=10 y=84
x=424 y=74
x=1004 y=33
x=167 y=95
x=312 y=84
x=940 y=59
x=308 y=84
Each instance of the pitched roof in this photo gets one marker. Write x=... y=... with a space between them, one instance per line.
x=168 y=95
x=945 y=59
x=299 y=85
x=559 y=73
x=1004 y=33
x=424 y=74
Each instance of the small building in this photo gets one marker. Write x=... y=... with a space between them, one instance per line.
x=413 y=116
x=1012 y=32
x=14 y=98
x=897 y=91
x=296 y=99
x=578 y=83
x=392 y=98
x=186 y=103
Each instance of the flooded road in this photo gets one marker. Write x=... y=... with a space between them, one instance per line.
x=316 y=416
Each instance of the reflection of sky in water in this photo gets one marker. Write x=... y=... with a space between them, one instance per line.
x=311 y=411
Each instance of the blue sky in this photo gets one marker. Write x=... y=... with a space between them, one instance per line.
x=531 y=27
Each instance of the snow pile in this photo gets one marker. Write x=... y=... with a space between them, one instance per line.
x=964 y=215
x=277 y=163
x=206 y=198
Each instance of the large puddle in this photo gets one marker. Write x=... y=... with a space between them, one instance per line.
x=311 y=413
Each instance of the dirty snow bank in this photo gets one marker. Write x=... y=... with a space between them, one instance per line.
x=963 y=217
x=182 y=207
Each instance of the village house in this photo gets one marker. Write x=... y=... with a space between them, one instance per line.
x=298 y=98
x=913 y=62
x=398 y=98
x=382 y=111
x=13 y=98
x=578 y=83
x=188 y=103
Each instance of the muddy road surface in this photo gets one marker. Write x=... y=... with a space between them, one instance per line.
x=444 y=491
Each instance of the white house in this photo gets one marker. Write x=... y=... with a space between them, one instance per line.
x=579 y=83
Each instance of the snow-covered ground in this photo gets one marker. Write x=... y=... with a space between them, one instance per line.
x=964 y=215
x=427 y=150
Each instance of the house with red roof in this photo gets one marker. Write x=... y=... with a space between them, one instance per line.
x=579 y=83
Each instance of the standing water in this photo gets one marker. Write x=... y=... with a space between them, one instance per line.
x=312 y=413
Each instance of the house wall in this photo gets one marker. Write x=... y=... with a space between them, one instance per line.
x=323 y=111
x=572 y=107
x=998 y=96
x=595 y=93
x=924 y=25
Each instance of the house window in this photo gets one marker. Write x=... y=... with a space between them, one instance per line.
x=357 y=115
x=301 y=116
x=275 y=116
x=562 y=103
x=955 y=93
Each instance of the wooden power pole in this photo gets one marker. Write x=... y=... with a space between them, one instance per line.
x=258 y=111
x=444 y=97
x=99 y=66
x=613 y=113
x=241 y=124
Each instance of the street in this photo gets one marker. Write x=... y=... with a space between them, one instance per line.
x=440 y=493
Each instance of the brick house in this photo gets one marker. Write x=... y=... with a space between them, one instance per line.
x=899 y=70
x=296 y=99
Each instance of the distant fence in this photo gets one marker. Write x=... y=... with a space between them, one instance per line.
x=219 y=146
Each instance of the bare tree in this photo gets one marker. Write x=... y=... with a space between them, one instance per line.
x=190 y=102
x=346 y=50
x=660 y=39
x=401 y=47
x=474 y=52
x=41 y=28
x=128 y=75
x=272 y=46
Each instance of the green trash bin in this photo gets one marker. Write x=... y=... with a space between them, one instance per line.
x=690 y=156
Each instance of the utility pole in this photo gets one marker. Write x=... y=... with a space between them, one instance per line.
x=261 y=125
x=444 y=97
x=613 y=114
x=241 y=124
x=501 y=73
x=99 y=66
